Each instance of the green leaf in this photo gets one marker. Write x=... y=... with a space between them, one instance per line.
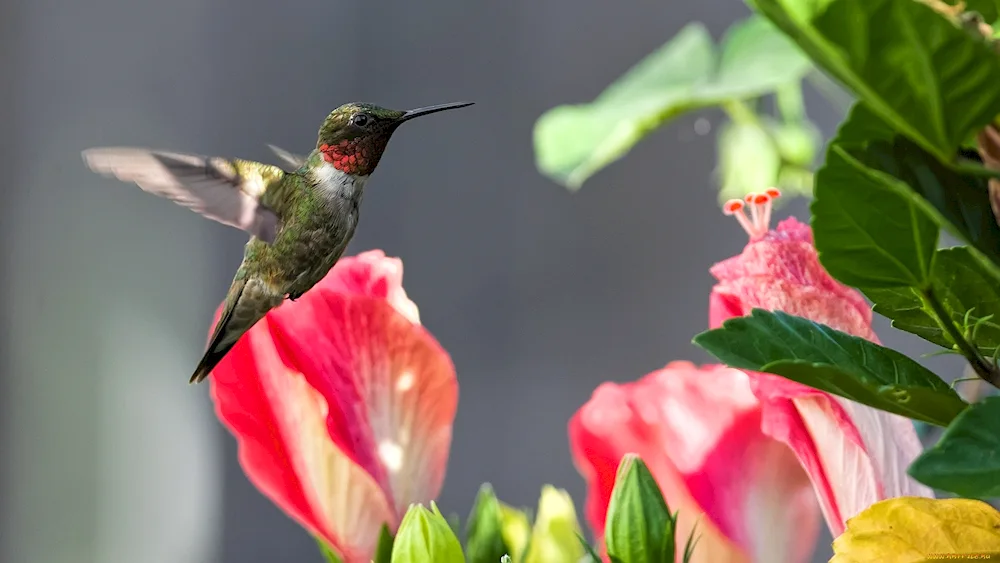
x=928 y=78
x=554 y=535
x=383 y=552
x=572 y=142
x=818 y=356
x=639 y=526
x=965 y=460
x=869 y=228
x=969 y=292
x=692 y=542
x=958 y=202
x=881 y=201
x=591 y=554
x=424 y=535
x=484 y=532
x=329 y=555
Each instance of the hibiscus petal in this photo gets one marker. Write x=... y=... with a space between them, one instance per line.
x=854 y=455
x=698 y=430
x=279 y=422
x=781 y=272
x=391 y=389
x=342 y=405
x=373 y=274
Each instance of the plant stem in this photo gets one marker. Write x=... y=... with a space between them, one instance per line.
x=839 y=98
x=980 y=365
x=739 y=112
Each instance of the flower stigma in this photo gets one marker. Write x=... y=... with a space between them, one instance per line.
x=760 y=205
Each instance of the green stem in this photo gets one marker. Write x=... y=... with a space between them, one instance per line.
x=980 y=365
x=791 y=104
x=839 y=98
x=740 y=112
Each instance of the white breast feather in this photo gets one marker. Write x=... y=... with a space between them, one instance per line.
x=336 y=182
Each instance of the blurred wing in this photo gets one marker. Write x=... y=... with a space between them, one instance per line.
x=224 y=190
x=292 y=160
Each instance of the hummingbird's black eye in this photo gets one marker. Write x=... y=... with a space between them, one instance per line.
x=360 y=120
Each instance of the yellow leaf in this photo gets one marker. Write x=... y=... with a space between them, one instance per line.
x=917 y=529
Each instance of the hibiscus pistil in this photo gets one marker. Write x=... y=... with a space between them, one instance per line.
x=760 y=204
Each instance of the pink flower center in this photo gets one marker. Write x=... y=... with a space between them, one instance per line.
x=759 y=221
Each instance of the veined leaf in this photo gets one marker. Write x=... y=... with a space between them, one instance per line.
x=572 y=142
x=966 y=288
x=964 y=460
x=917 y=529
x=823 y=358
x=925 y=76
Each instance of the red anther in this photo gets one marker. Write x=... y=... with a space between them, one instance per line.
x=732 y=206
x=775 y=193
x=761 y=199
x=750 y=197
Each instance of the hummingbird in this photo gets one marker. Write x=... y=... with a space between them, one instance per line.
x=300 y=217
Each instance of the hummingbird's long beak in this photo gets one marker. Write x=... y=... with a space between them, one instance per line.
x=432 y=109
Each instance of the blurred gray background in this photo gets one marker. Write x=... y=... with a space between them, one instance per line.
x=107 y=455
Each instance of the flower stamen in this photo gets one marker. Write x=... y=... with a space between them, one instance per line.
x=735 y=207
x=760 y=205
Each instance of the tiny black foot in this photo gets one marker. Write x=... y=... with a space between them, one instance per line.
x=294 y=296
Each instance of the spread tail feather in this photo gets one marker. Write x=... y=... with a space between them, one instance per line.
x=244 y=307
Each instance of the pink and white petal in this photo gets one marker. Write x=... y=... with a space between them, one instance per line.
x=698 y=429
x=374 y=274
x=763 y=497
x=781 y=272
x=751 y=486
x=279 y=423
x=854 y=455
x=892 y=444
x=606 y=429
x=391 y=389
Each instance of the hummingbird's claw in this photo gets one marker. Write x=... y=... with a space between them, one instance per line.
x=294 y=296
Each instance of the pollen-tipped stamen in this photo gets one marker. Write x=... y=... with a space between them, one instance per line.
x=772 y=194
x=735 y=207
x=759 y=222
x=750 y=200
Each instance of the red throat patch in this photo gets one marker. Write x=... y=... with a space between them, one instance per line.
x=351 y=157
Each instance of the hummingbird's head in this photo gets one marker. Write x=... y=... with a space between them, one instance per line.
x=354 y=136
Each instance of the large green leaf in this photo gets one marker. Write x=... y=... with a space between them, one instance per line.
x=969 y=292
x=958 y=202
x=880 y=200
x=928 y=78
x=965 y=460
x=818 y=356
x=573 y=142
x=869 y=228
